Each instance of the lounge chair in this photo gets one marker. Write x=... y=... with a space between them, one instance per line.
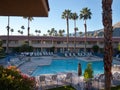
x=31 y=53
x=90 y=54
x=70 y=54
x=35 y=54
x=51 y=53
x=40 y=53
x=79 y=54
x=117 y=57
x=84 y=54
x=42 y=82
x=68 y=78
x=74 y=55
x=54 y=80
x=116 y=78
x=66 y=55
x=116 y=75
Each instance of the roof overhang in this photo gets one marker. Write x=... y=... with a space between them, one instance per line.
x=33 y=8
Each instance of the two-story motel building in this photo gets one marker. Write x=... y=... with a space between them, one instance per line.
x=44 y=43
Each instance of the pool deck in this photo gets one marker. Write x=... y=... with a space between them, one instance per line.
x=31 y=65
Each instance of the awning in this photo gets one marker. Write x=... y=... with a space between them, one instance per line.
x=34 y=8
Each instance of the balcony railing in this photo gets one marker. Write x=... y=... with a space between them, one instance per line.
x=48 y=45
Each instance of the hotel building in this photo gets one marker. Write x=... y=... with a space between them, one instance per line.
x=45 y=43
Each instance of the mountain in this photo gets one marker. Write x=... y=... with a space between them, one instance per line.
x=100 y=32
x=116 y=31
x=117 y=25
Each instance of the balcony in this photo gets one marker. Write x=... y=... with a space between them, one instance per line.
x=42 y=45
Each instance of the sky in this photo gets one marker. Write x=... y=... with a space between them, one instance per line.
x=54 y=19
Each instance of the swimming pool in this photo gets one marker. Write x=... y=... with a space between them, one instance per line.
x=67 y=65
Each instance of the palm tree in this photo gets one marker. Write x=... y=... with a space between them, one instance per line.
x=12 y=30
x=85 y=14
x=49 y=32
x=53 y=32
x=22 y=27
x=8 y=28
x=18 y=31
x=29 y=19
x=36 y=31
x=75 y=17
x=108 y=49
x=61 y=32
x=21 y=32
x=39 y=31
x=67 y=15
x=80 y=33
x=44 y=34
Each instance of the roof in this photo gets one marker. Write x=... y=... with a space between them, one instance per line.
x=33 y=8
x=50 y=38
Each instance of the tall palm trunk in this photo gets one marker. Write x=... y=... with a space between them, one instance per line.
x=8 y=27
x=75 y=35
x=108 y=49
x=28 y=30
x=85 y=36
x=67 y=34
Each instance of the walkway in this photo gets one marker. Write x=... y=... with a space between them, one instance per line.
x=31 y=65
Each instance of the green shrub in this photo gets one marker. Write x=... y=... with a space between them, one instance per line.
x=2 y=52
x=88 y=72
x=119 y=47
x=23 y=48
x=16 y=49
x=52 y=49
x=95 y=48
x=26 y=48
x=12 y=79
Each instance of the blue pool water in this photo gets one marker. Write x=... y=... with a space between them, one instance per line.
x=70 y=65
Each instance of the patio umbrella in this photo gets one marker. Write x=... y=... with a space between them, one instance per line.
x=79 y=69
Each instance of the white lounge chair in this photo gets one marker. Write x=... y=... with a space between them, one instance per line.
x=40 y=53
x=117 y=57
x=80 y=54
x=51 y=53
x=70 y=54
x=74 y=55
x=66 y=55
x=68 y=78
x=31 y=53
x=54 y=80
x=42 y=82
x=116 y=75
